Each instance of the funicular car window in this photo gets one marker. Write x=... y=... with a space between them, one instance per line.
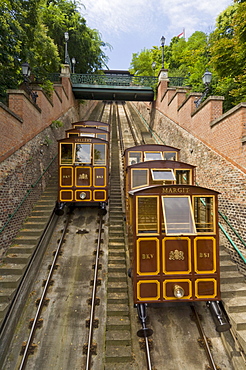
x=152 y=156
x=158 y=175
x=204 y=214
x=105 y=128
x=73 y=135
x=134 y=157
x=102 y=136
x=171 y=156
x=100 y=154
x=139 y=178
x=147 y=215
x=86 y=134
x=83 y=153
x=178 y=215
x=66 y=154
x=183 y=177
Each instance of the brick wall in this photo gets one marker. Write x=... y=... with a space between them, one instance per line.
x=28 y=146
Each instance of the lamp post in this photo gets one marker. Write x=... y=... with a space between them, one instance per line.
x=66 y=36
x=26 y=71
x=73 y=64
x=206 y=79
x=153 y=66
x=162 y=45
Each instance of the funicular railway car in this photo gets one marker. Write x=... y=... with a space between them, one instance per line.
x=172 y=228
x=83 y=172
x=88 y=131
x=149 y=152
x=174 y=248
x=158 y=172
x=96 y=124
x=174 y=251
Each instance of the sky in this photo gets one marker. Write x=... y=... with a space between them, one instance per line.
x=131 y=26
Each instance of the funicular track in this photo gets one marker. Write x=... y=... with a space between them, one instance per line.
x=118 y=353
x=122 y=345
x=156 y=358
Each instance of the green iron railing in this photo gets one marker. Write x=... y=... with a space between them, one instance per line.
x=96 y=79
x=100 y=79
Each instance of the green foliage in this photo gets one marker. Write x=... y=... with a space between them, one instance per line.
x=47 y=87
x=10 y=44
x=228 y=53
x=223 y=53
x=57 y=123
x=33 y=31
x=84 y=43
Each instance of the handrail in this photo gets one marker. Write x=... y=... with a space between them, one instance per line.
x=25 y=197
x=102 y=79
x=228 y=236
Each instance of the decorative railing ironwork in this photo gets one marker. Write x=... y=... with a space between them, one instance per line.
x=100 y=79
x=177 y=81
x=54 y=77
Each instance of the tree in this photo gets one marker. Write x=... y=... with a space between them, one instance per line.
x=84 y=44
x=228 y=54
x=11 y=34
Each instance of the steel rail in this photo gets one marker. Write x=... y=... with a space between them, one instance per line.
x=147 y=352
x=120 y=134
x=94 y=289
x=134 y=136
x=204 y=338
x=33 y=328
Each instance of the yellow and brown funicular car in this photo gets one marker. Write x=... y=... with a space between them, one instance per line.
x=83 y=171
x=149 y=152
x=97 y=124
x=88 y=131
x=174 y=246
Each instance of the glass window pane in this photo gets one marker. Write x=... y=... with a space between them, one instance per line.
x=83 y=153
x=147 y=221
x=73 y=135
x=183 y=177
x=204 y=214
x=158 y=175
x=105 y=128
x=152 y=156
x=86 y=134
x=171 y=156
x=66 y=153
x=134 y=157
x=102 y=136
x=178 y=215
x=100 y=154
x=139 y=178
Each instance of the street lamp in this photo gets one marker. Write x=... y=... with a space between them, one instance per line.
x=206 y=79
x=66 y=36
x=162 y=45
x=26 y=71
x=153 y=66
x=73 y=63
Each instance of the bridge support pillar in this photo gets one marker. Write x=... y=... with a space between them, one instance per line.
x=162 y=84
x=65 y=70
